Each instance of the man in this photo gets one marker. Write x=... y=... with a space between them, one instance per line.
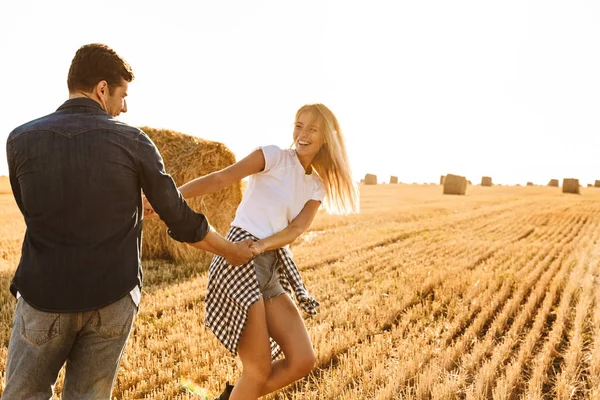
x=77 y=176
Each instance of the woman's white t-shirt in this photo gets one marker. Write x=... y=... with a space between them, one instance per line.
x=276 y=195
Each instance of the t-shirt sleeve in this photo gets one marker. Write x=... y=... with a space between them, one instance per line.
x=272 y=156
x=318 y=192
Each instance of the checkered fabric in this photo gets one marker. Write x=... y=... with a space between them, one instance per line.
x=232 y=290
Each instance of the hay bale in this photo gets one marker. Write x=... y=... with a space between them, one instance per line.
x=393 y=179
x=442 y=179
x=455 y=184
x=597 y=183
x=553 y=183
x=486 y=181
x=529 y=183
x=590 y=185
x=571 y=185
x=187 y=157
x=370 y=179
x=5 y=185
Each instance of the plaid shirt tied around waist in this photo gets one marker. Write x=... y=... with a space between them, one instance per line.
x=232 y=290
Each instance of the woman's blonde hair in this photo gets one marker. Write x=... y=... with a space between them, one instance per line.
x=331 y=162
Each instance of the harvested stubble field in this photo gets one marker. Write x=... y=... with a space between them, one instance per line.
x=490 y=295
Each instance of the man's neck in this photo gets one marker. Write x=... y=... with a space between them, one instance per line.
x=80 y=95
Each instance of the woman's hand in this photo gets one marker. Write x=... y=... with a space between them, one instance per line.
x=256 y=248
x=148 y=209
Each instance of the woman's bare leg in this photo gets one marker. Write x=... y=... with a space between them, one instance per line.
x=286 y=327
x=255 y=353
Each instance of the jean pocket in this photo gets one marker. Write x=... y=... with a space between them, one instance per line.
x=115 y=319
x=37 y=326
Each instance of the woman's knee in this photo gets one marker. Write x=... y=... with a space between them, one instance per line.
x=258 y=370
x=304 y=363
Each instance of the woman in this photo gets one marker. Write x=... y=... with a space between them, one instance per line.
x=249 y=308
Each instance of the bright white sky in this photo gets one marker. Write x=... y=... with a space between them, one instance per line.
x=509 y=89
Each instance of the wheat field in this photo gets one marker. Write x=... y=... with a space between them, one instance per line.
x=492 y=295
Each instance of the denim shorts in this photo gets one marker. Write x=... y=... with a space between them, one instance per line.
x=266 y=265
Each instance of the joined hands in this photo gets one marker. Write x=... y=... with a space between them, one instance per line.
x=240 y=252
x=243 y=252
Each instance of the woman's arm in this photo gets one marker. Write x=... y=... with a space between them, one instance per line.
x=251 y=164
x=213 y=182
x=298 y=226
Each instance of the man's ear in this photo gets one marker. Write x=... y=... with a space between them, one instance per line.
x=101 y=88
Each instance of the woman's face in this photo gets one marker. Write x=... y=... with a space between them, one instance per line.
x=308 y=135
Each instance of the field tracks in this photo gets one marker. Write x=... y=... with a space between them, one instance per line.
x=493 y=295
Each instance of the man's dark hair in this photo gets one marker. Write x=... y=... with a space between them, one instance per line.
x=94 y=63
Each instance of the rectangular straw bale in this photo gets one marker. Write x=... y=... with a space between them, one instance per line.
x=442 y=177
x=553 y=183
x=597 y=183
x=455 y=184
x=393 y=179
x=571 y=185
x=370 y=179
x=486 y=181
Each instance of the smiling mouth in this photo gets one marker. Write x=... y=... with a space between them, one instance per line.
x=303 y=144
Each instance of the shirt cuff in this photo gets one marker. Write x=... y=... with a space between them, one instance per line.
x=192 y=236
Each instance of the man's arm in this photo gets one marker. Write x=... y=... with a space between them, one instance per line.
x=184 y=224
x=218 y=180
x=237 y=253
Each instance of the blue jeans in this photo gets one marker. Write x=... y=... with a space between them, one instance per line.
x=91 y=343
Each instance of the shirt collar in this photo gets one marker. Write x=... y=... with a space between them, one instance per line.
x=81 y=102
x=299 y=164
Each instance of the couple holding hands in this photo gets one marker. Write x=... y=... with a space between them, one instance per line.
x=77 y=176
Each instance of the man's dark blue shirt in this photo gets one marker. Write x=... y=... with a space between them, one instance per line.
x=77 y=176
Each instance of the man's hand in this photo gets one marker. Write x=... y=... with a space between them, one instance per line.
x=240 y=252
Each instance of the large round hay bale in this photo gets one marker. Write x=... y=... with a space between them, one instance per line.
x=529 y=183
x=442 y=177
x=597 y=183
x=486 y=181
x=571 y=185
x=455 y=184
x=187 y=157
x=553 y=183
x=370 y=179
x=393 y=179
